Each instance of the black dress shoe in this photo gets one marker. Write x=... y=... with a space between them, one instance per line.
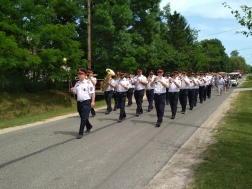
x=119 y=120
x=114 y=109
x=183 y=112
x=158 y=124
x=137 y=114
x=79 y=136
x=88 y=130
x=148 y=110
x=195 y=104
x=172 y=117
x=167 y=103
x=191 y=108
x=128 y=105
x=107 y=112
x=204 y=99
x=93 y=115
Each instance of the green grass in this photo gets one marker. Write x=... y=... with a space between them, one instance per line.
x=246 y=85
x=249 y=78
x=25 y=108
x=228 y=162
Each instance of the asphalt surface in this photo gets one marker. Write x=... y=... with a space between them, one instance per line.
x=114 y=155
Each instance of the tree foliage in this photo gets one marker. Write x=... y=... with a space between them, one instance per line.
x=35 y=35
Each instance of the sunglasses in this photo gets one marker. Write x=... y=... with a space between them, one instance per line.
x=159 y=72
x=183 y=73
x=138 y=71
x=201 y=74
x=151 y=73
x=121 y=74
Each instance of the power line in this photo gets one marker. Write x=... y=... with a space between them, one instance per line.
x=221 y=32
x=242 y=49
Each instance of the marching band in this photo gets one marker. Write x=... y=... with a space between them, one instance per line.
x=160 y=90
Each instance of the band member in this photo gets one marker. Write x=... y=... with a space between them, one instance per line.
x=167 y=76
x=210 y=81
x=160 y=84
x=93 y=81
x=174 y=85
x=192 y=90
x=114 y=94
x=202 y=87
x=183 y=94
x=196 y=88
x=131 y=89
x=205 y=91
x=109 y=94
x=122 y=86
x=150 y=90
x=140 y=81
x=84 y=90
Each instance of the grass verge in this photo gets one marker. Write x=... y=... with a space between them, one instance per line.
x=227 y=163
x=25 y=108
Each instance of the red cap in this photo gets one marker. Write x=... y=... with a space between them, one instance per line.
x=122 y=72
x=184 y=71
x=160 y=70
x=174 y=72
x=82 y=71
x=139 y=69
x=192 y=72
x=90 y=70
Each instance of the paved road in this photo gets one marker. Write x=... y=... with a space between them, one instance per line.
x=114 y=155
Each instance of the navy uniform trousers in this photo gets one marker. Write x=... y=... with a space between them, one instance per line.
x=129 y=95
x=150 y=97
x=209 y=90
x=183 y=94
x=174 y=96
x=205 y=93
x=167 y=96
x=84 y=108
x=116 y=101
x=108 y=97
x=92 y=110
x=191 y=97
x=121 y=97
x=196 y=96
x=201 y=93
x=160 y=106
x=139 y=100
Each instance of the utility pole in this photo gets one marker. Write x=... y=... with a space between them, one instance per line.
x=89 y=34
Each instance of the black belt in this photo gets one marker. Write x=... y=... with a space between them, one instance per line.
x=121 y=92
x=159 y=93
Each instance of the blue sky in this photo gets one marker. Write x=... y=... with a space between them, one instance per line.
x=211 y=17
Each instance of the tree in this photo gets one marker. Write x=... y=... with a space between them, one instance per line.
x=234 y=53
x=245 y=20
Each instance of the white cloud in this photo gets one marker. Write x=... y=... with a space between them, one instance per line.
x=204 y=8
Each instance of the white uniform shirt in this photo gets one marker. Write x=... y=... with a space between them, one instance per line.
x=191 y=83
x=124 y=82
x=168 y=78
x=173 y=87
x=209 y=80
x=149 y=82
x=109 y=87
x=84 y=90
x=138 y=85
x=202 y=82
x=130 y=83
x=159 y=87
x=94 y=79
x=183 y=83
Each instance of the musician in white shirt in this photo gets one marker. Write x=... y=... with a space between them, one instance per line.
x=183 y=94
x=150 y=90
x=121 y=85
x=174 y=87
x=140 y=81
x=160 y=84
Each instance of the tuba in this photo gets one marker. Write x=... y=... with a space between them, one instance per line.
x=105 y=84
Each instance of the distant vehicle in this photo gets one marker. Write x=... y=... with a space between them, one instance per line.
x=240 y=73
x=222 y=73
x=234 y=78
